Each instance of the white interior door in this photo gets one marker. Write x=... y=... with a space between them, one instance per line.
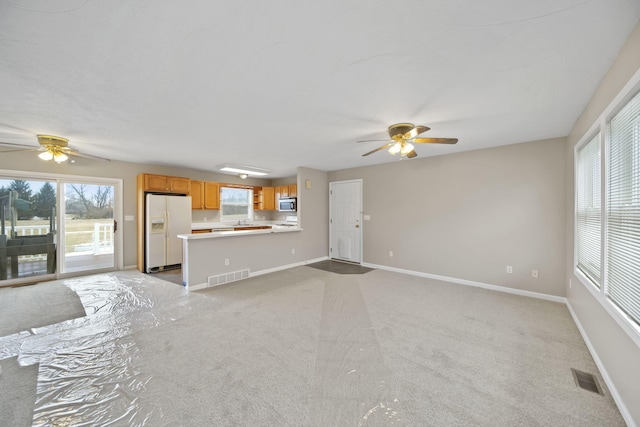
x=345 y=201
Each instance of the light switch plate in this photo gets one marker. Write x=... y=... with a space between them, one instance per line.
x=367 y=217
x=129 y=218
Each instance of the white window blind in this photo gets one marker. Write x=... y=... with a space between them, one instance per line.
x=589 y=212
x=623 y=210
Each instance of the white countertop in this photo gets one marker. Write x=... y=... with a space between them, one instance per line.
x=232 y=233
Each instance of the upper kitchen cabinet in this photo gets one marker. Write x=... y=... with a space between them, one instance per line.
x=197 y=194
x=167 y=184
x=205 y=195
x=282 y=191
x=268 y=199
x=264 y=198
x=212 y=195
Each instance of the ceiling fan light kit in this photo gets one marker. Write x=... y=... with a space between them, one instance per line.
x=54 y=148
x=51 y=148
x=403 y=136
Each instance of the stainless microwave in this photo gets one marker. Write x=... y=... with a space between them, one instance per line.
x=288 y=204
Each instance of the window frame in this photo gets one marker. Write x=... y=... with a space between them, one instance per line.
x=632 y=88
x=250 y=213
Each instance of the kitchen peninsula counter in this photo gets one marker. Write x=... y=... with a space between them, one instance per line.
x=207 y=257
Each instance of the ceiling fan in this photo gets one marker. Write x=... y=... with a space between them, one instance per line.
x=51 y=147
x=403 y=136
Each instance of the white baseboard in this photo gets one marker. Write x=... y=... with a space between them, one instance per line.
x=603 y=371
x=465 y=282
x=285 y=267
x=261 y=272
x=130 y=267
x=197 y=287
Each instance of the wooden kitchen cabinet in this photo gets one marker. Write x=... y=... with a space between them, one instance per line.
x=212 y=195
x=264 y=199
x=205 y=195
x=166 y=184
x=268 y=198
x=197 y=194
x=282 y=191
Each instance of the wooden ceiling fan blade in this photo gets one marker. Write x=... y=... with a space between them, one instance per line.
x=415 y=132
x=435 y=140
x=412 y=154
x=19 y=149
x=382 y=147
x=76 y=153
x=17 y=146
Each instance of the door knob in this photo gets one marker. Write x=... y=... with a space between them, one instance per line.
x=357 y=225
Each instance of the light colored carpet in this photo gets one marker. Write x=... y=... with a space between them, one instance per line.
x=307 y=347
x=26 y=307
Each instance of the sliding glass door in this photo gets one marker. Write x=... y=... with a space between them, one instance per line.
x=52 y=226
x=87 y=227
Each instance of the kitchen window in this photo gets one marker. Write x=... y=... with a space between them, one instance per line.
x=236 y=204
x=607 y=245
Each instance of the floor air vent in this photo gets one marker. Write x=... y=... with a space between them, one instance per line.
x=221 y=279
x=586 y=381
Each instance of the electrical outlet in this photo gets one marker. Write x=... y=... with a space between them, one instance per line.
x=390 y=253
x=226 y=261
x=293 y=251
x=534 y=274
x=569 y=282
x=509 y=269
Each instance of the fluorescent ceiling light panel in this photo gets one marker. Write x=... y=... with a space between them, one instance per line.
x=244 y=169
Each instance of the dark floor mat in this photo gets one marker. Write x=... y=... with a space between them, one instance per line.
x=173 y=276
x=340 y=267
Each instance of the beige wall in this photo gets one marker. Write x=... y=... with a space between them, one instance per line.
x=469 y=215
x=618 y=354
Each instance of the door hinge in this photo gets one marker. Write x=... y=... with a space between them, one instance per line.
x=115 y=225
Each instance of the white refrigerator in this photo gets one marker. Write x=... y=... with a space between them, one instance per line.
x=165 y=218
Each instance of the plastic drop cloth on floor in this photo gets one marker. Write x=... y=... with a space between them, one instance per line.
x=89 y=369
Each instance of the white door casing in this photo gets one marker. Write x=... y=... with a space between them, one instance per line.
x=345 y=223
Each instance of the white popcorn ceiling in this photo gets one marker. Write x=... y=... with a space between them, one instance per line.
x=281 y=84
